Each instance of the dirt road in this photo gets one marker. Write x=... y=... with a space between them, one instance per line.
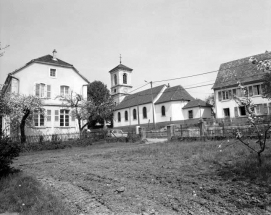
x=143 y=179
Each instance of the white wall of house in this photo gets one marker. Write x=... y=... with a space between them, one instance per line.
x=202 y=112
x=232 y=105
x=40 y=73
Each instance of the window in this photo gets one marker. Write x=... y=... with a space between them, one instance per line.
x=42 y=90
x=258 y=109
x=144 y=112
x=64 y=117
x=64 y=90
x=257 y=90
x=115 y=79
x=163 y=110
x=38 y=118
x=126 y=115
x=242 y=111
x=226 y=112
x=119 y=117
x=125 y=78
x=225 y=95
x=134 y=113
x=190 y=114
x=49 y=115
x=53 y=73
x=115 y=90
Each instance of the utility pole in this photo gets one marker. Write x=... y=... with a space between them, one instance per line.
x=153 y=118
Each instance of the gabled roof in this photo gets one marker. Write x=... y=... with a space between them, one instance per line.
x=197 y=103
x=121 y=66
x=239 y=70
x=48 y=59
x=177 y=93
x=139 y=98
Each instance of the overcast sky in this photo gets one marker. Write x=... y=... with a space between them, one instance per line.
x=158 y=39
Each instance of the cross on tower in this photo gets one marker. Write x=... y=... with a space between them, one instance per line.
x=120 y=58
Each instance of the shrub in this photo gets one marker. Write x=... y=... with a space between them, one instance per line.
x=8 y=151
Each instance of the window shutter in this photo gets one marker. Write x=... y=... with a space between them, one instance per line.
x=236 y=111
x=234 y=92
x=48 y=91
x=49 y=115
x=261 y=109
x=265 y=110
x=37 y=90
x=219 y=96
x=255 y=90
x=56 y=115
x=269 y=108
x=260 y=89
x=230 y=95
x=250 y=92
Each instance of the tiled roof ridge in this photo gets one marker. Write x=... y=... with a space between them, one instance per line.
x=121 y=66
x=242 y=61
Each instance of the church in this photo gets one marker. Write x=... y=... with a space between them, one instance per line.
x=155 y=107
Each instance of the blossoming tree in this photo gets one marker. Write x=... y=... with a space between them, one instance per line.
x=262 y=131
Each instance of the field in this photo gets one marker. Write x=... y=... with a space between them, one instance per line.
x=161 y=178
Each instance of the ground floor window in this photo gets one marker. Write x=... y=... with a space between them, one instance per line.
x=226 y=112
x=38 y=118
x=242 y=111
x=190 y=114
x=64 y=117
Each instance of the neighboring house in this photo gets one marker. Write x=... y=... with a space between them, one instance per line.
x=170 y=104
x=225 y=87
x=48 y=77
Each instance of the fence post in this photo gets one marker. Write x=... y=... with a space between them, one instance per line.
x=169 y=132
x=142 y=132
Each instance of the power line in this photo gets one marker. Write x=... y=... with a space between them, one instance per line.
x=185 y=76
x=139 y=87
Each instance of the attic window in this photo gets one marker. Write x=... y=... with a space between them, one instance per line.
x=53 y=73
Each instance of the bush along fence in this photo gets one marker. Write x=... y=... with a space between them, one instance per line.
x=63 y=140
x=202 y=131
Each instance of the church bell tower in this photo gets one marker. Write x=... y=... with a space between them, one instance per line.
x=120 y=82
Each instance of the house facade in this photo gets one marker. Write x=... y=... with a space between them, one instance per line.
x=48 y=77
x=226 y=87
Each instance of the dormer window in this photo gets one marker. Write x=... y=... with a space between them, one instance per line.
x=53 y=73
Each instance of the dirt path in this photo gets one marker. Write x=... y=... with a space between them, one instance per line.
x=131 y=180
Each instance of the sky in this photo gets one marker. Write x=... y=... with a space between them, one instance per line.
x=158 y=39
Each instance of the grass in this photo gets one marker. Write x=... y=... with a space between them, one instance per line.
x=25 y=195
x=216 y=177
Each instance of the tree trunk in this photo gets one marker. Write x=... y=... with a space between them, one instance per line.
x=259 y=159
x=22 y=126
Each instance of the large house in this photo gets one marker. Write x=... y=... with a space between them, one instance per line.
x=159 y=105
x=48 y=77
x=225 y=87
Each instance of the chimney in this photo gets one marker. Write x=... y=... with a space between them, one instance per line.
x=54 y=55
x=168 y=85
